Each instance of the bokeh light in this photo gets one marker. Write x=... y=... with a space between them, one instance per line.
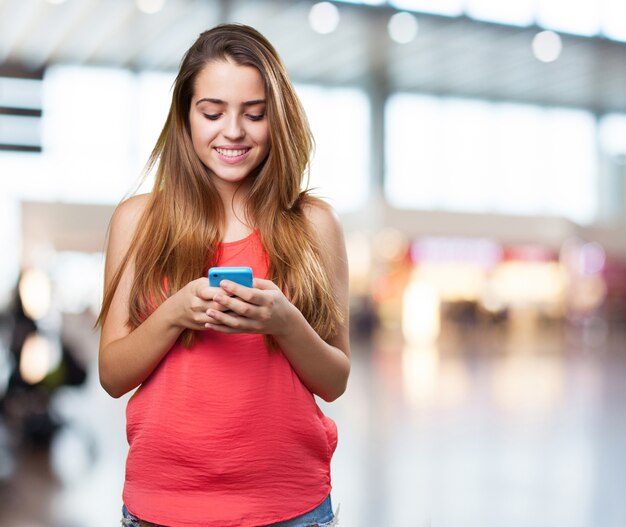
x=324 y=17
x=402 y=27
x=547 y=46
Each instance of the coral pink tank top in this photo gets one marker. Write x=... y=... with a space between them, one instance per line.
x=224 y=434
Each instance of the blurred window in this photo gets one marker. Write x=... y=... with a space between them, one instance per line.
x=339 y=120
x=19 y=130
x=613 y=134
x=99 y=127
x=581 y=17
x=89 y=134
x=614 y=19
x=87 y=111
x=153 y=103
x=514 y=12
x=101 y=124
x=438 y=7
x=363 y=2
x=474 y=156
x=20 y=114
x=20 y=93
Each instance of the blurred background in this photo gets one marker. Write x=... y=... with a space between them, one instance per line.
x=476 y=153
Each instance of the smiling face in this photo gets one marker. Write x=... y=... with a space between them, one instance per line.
x=228 y=121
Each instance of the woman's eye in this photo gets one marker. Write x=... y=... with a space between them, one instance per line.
x=212 y=116
x=256 y=117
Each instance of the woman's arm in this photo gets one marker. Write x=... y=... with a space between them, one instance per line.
x=322 y=366
x=128 y=356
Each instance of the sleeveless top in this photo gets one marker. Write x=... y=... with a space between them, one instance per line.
x=224 y=434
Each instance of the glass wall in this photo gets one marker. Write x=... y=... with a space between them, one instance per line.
x=476 y=156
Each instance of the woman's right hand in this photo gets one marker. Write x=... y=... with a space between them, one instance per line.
x=193 y=302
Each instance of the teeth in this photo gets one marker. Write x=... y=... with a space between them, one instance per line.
x=231 y=153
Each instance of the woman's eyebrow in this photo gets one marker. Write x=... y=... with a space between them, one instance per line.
x=254 y=102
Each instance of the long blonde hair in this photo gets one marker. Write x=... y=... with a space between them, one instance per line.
x=178 y=235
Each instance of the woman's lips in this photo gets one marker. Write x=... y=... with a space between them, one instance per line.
x=232 y=155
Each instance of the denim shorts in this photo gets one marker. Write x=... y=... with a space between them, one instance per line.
x=322 y=515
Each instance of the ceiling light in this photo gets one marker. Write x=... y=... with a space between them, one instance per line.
x=547 y=46
x=56 y=2
x=402 y=27
x=324 y=17
x=150 y=6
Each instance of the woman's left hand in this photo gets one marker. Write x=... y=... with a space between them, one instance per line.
x=262 y=308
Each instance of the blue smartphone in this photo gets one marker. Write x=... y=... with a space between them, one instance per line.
x=240 y=275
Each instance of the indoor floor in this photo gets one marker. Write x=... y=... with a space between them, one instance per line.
x=518 y=425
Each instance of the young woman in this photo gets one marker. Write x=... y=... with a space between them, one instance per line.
x=223 y=428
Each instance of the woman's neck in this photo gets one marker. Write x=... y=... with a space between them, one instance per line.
x=236 y=224
x=235 y=227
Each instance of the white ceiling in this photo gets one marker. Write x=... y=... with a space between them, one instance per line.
x=450 y=56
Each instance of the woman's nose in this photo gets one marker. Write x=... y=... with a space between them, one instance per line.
x=233 y=129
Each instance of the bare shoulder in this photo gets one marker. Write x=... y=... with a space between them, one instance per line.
x=128 y=212
x=323 y=218
x=123 y=226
